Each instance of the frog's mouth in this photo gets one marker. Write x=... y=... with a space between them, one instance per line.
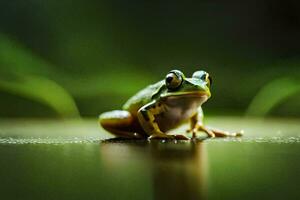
x=186 y=98
x=204 y=95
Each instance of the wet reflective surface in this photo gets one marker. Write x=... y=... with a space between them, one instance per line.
x=70 y=160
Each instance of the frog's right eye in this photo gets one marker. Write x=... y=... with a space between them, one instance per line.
x=200 y=75
x=204 y=76
x=174 y=79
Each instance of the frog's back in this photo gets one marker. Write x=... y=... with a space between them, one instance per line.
x=141 y=98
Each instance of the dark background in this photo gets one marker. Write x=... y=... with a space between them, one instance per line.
x=70 y=58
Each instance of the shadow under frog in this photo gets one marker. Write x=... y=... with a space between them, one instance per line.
x=176 y=169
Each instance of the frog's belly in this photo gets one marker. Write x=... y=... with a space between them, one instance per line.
x=174 y=116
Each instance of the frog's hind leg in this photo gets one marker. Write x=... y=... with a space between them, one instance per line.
x=120 y=123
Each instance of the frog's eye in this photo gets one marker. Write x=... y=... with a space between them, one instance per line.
x=204 y=76
x=174 y=79
x=210 y=80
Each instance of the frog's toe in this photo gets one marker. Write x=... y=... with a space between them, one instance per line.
x=211 y=134
x=239 y=134
x=236 y=134
x=160 y=136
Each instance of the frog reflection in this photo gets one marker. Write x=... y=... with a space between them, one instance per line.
x=176 y=171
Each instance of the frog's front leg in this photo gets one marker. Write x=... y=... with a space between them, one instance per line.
x=146 y=116
x=197 y=125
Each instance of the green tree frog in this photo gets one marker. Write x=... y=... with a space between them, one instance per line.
x=163 y=106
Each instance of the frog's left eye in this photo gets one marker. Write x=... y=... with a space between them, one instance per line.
x=204 y=76
x=174 y=79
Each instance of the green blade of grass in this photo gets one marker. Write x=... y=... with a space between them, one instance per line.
x=271 y=95
x=44 y=91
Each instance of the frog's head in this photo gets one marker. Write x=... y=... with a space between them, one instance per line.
x=198 y=86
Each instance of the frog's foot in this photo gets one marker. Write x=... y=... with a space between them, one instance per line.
x=194 y=131
x=181 y=137
x=165 y=136
x=209 y=132
x=119 y=123
x=221 y=133
x=160 y=136
x=214 y=132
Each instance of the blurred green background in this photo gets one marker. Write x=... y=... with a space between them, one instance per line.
x=80 y=58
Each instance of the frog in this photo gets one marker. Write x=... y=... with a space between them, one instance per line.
x=163 y=106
